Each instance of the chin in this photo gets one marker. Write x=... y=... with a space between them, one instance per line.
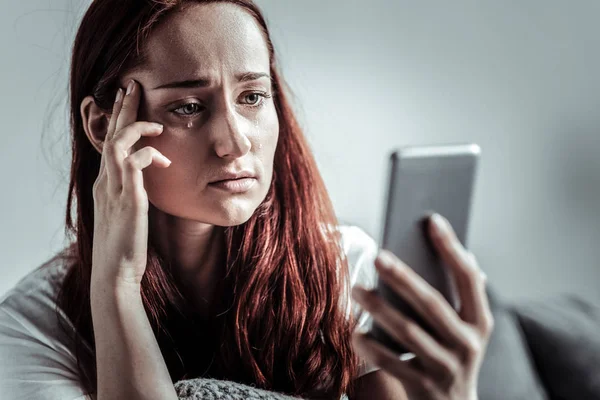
x=234 y=210
x=231 y=211
x=232 y=217
x=219 y=213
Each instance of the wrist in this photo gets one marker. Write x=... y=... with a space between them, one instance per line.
x=113 y=287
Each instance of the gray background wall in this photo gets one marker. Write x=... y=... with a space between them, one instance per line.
x=521 y=78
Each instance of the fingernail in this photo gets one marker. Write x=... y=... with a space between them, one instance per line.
x=157 y=126
x=362 y=329
x=130 y=87
x=439 y=223
x=119 y=95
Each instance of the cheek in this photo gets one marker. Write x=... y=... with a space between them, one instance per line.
x=175 y=144
x=269 y=126
x=186 y=155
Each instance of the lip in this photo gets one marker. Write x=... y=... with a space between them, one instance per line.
x=234 y=185
x=233 y=175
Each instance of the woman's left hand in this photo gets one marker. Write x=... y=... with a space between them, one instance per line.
x=440 y=371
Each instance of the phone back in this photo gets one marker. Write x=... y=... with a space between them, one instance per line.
x=424 y=180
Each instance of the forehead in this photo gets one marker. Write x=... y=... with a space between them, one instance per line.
x=206 y=39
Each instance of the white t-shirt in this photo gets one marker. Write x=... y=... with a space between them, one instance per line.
x=37 y=360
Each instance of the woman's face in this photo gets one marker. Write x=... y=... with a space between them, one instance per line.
x=207 y=80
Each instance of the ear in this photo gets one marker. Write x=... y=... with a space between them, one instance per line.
x=95 y=122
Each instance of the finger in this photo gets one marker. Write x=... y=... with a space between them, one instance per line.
x=424 y=299
x=119 y=147
x=487 y=323
x=131 y=134
x=379 y=355
x=133 y=180
x=111 y=125
x=469 y=279
x=432 y=355
x=129 y=109
x=117 y=106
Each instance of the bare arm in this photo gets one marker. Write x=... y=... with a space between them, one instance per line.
x=378 y=385
x=128 y=360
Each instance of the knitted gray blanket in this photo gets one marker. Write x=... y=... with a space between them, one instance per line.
x=212 y=389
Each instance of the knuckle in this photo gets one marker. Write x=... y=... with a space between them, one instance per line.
x=488 y=324
x=450 y=370
x=130 y=163
x=473 y=259
x=471 y=349
x=479 y=277
x=150 y=150
x=473 y=275
x=470 y=263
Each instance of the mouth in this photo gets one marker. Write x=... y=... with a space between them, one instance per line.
x=239 y=185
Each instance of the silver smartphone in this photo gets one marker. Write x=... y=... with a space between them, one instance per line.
x=423 y=180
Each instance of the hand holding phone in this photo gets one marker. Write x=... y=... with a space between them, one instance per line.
x=422 y=181
x=436 y=308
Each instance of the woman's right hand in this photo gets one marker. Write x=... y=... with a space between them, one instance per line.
x=120 y=242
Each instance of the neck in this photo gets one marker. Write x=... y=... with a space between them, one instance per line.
x=195 y=252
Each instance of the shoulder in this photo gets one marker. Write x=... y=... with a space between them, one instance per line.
x=36 y=356
x=33 y=298
x=361 y=251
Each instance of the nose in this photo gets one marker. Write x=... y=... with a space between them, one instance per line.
x=231 y=140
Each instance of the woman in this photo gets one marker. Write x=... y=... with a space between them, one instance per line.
x=205 y=241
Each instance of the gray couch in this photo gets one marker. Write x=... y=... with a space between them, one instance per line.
x=542 y=350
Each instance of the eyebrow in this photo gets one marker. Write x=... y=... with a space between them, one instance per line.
x=204 y=82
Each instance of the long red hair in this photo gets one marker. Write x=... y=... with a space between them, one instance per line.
x=280 y=320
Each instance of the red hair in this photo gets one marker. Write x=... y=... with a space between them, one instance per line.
x=280 y=319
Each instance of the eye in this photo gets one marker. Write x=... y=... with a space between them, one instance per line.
x=255 y=99
x=188 y=109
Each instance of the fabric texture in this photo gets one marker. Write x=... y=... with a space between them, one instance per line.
x=563 y=334
x=507 y=372
x=37 y=360
x=212 y=389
